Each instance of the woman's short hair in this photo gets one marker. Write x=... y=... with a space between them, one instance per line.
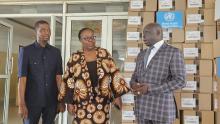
x=83 y=29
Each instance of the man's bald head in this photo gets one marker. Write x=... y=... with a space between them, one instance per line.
x=153 y=33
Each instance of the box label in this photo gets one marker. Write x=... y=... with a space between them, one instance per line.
x=129 y=66
x=193 y=35
x=127 y=80
x=215 y=85
x=165 y=4
x=133 y=35
x=191 y=68
x=194 y=18
x=218 y=66
x=194 y=3
x=216 y=104
x=136 y=4
x=166 y=35
x=172 y=19
x=191 y=119
x=134 y=20
x=191 y=52
x=188 y=102
x=128 y=98
x=218 y=35
x=133 y=51
x=128 y=115
x=190 y=85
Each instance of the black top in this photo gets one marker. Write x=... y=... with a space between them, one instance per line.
x=92 y=68
x=40 y=65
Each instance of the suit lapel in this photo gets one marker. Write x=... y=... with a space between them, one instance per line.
x=155 y=57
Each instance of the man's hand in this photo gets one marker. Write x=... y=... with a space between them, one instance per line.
x=118 y=102
x=140 y=88
x=23 y=111
x=61 y=107
x=71 y=109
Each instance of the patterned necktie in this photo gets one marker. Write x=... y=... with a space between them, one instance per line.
x=147 y=55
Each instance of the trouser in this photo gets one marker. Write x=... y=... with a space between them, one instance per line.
x=48 y=115
x=144 y=121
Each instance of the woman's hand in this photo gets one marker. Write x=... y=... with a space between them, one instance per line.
x=118 y=102
x=71 y=109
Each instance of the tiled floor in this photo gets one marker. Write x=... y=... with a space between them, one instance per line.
x=15 y=119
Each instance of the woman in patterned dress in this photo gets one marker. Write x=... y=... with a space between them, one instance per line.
x=91 y=82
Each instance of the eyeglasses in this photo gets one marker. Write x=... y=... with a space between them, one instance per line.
x=88 y=38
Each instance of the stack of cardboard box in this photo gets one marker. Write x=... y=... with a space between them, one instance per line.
x=140 y=13
x=197 y=103
x=200 y=31
x=174 y=36
x=216 y=78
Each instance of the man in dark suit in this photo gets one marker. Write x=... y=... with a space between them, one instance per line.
x=39 y=72
x=159 y=71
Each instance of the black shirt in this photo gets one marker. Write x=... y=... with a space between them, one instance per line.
x=92 y=68
x=40 y=65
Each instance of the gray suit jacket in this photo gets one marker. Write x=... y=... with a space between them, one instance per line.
x=164 y=74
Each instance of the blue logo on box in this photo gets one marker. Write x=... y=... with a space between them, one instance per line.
x=218 y=66
x=170 y=19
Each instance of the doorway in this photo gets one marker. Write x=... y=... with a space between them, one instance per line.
x=6 y=35
x=23 y=34
x=110 y=32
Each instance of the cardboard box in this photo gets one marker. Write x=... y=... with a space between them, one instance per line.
x=216 y=102
x=203 y=4
x=142 y=5
x=127 y=77
x=197 y=117
x=133 y=48
x=200 y=51
x=128 y=114
x=137 y=19
x=205 y=101
x=129 y=65
x=190 y=51
x=200 y=33
x=134 y=34
x=193 y=101
x=167 y=5
x=188 y=101
x=174 y=35
x=148 y=17
x=177 y=121
x=205 y=68
x=191 y=84
x=205 y=84
x=191 y=67
x=216 y=87
x=216 y=48
x=128 y=99
x=198 y=84
x=177 y=45
x=200 y=17
x=134 y=19
x=178 y=100
x=217 y=117
x=206 y=50
x=218 y=31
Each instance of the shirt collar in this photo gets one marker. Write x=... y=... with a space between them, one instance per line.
x=158 y=44
x=39 y=46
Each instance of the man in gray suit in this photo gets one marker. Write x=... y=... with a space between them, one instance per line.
x=159 y=71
